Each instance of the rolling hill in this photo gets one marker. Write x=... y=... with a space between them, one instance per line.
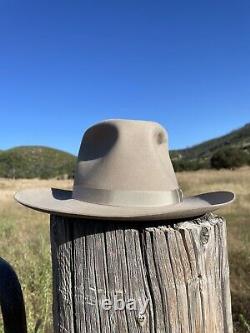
x=36 y=162
x=199 y=155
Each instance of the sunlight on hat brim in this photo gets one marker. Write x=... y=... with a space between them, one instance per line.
x=60 y=202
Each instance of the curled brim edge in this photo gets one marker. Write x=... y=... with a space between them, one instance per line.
x=60 y=202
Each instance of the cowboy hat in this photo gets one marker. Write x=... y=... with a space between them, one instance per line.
x=124 y=172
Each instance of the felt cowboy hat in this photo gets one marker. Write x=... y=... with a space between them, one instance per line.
x=124 y=172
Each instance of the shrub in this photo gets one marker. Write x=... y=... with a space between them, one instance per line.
x=190 y=165
x=228 y=158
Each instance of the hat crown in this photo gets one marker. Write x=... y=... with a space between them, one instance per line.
x=125 y=155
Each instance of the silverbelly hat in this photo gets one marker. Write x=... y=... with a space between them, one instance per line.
x=124 y=172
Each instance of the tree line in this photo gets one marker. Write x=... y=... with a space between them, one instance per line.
x=224 y=158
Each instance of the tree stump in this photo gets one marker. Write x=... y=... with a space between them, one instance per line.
x=118 y=276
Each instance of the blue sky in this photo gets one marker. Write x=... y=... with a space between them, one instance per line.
x=65 y=65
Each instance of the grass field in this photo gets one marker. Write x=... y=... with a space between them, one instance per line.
x=24 y=241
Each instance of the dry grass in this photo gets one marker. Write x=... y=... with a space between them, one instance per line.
x=24 y=240
x=238 y=227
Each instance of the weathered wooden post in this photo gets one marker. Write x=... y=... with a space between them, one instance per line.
x=169 y=277
x=129 y=252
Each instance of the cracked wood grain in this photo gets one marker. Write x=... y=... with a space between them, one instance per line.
x=180 y=269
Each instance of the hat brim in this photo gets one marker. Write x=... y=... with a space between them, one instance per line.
x=60 y=202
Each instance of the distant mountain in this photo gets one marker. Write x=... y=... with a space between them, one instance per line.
x=36 y=162
x=200 y=155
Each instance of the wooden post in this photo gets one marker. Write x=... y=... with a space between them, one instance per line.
x=111 y=276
